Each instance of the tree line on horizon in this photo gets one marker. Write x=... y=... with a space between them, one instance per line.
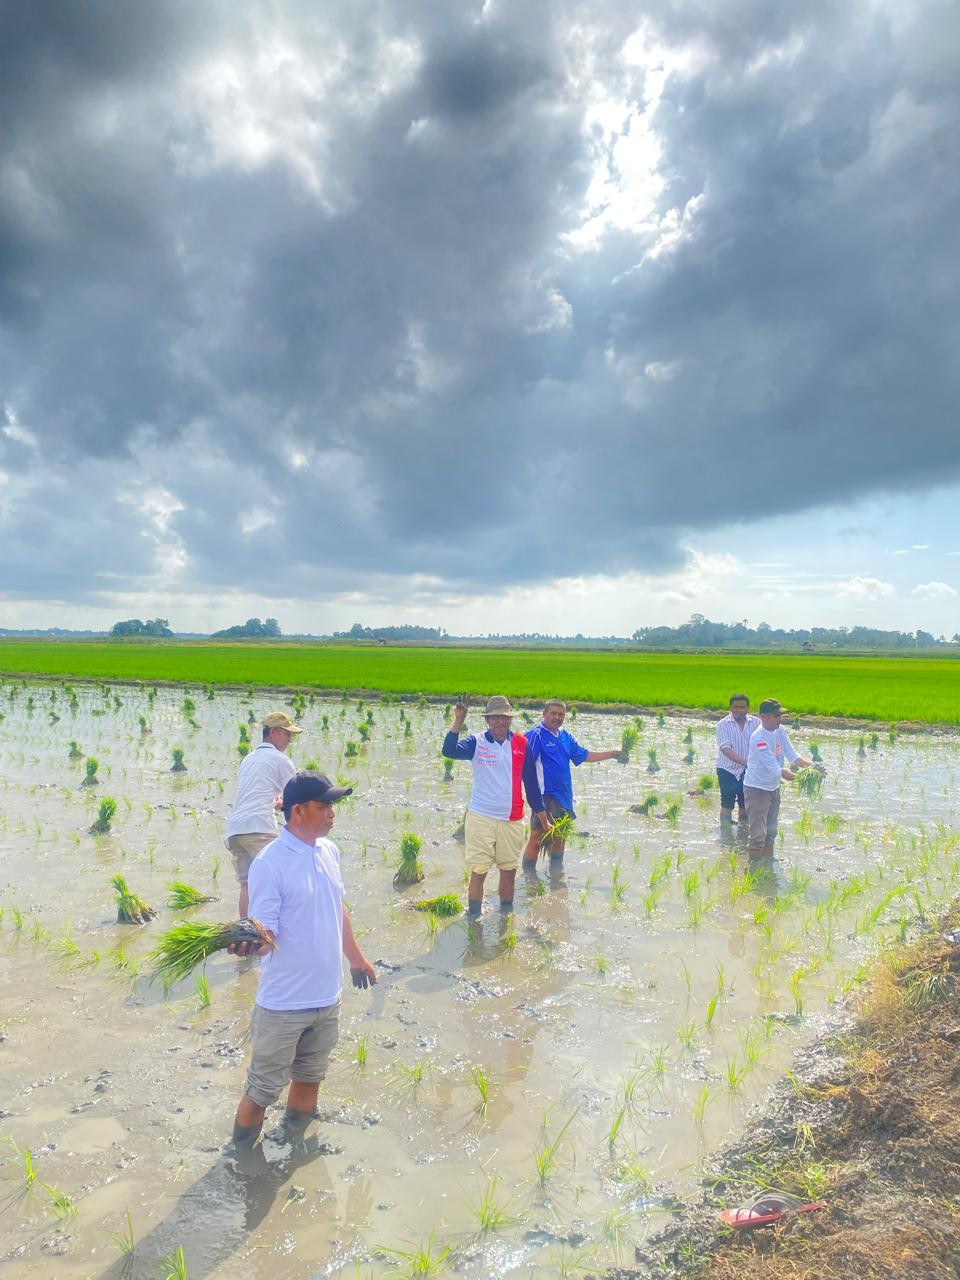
x=698 y=632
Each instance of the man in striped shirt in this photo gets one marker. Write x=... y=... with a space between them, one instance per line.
x=733 y=743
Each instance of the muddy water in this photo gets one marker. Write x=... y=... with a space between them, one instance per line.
x=637 y=1004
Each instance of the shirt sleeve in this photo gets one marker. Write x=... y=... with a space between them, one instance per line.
x=457 y=748
x=264 y=895
x=286 y=770
x=531 y=783
x=788 y=747
x=577 y=753
x=534 y=743
x=725 y=734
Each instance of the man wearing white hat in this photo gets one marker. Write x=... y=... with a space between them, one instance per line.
x=494 y=831
x=263 y=774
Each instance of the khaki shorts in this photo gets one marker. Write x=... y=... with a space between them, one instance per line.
x=492 y=841
x=244 y=850
x=289 y=1044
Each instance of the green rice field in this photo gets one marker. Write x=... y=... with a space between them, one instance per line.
x=901 y=688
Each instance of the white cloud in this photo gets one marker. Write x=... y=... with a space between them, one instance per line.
x=864 y=589
x=662 y=370
x=933 y=590
x=256 y=519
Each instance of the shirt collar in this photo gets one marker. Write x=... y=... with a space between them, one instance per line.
x=554 y=733
x=295 y=843
x=490 y=738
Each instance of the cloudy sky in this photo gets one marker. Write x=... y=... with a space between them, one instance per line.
x=536 y=316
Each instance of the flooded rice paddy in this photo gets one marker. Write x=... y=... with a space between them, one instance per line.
x=533 y=1093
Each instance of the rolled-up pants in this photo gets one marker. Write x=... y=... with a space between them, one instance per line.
x=763 y=808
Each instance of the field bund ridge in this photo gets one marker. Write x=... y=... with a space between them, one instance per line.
x=896 y=688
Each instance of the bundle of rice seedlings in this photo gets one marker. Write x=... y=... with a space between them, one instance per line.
x=560 y=829
x=628 y=740
x=705 y=783
x=188 y=944
x=131 y=908
x=409 y=868
x=809 y=782
x=184 y=895
x=652 y=763
x=75 y=752
x=446 y=904
x=91 y=766
x=178 y=765
x=646 y=806
x=108 y=807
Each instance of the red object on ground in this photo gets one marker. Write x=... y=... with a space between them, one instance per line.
x=766 y=1209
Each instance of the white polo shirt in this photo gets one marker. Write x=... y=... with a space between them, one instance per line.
x=297 y=892
x=262 y=776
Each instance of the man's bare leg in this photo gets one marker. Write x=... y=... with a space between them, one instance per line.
x=475 y=893
x=506 y=887
x=248 y=1121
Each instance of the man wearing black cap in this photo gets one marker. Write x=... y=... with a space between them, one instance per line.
x=297 y=895
x=768 y=754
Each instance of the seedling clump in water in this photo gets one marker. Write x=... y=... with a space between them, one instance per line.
x=184 y=895
x=409 y=868
x=105 y=815
x=446 y=904
x=131 y=908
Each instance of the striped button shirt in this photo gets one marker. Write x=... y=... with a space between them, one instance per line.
x=731 y=734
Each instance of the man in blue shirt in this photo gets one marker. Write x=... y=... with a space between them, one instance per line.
x=554 y=750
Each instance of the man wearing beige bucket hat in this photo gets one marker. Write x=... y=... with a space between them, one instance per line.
x=263 y=775
x=494 y=831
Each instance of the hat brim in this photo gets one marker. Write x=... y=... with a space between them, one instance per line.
x=508 y=714
x=336 y=793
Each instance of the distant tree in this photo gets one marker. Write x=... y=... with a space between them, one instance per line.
x=154 y=627
x=252 y=629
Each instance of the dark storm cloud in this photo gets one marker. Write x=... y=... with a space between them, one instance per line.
x=286 y=288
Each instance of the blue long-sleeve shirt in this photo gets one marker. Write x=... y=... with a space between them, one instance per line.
x=496 y=786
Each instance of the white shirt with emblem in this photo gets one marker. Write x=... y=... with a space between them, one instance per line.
x=769 y=751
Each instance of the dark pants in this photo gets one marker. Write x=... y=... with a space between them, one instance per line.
x=731 y=789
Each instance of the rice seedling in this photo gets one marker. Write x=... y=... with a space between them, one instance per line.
x=176 y=1264
x=409 y=869
x=652 y=765
x=672 y=810
x=862 y=748
x=700 y=1104
x=510 y=938
x=689 y=756
x=91 y=765
x=189 y=943
x=874 y=741
x=407 y=729
x=687 y=1035
x=38 y=934
x=735 y=1075
x=75 y=751
x=188 y=706
x=444 y=905
x=364 y=731
x=26 y=1158
x=123 y=1240
x=408 y=1079
x=628 y=740
x=131 y=908
x=815 y=755
x=706 y=782
x=66 y=949
x=481 y=1082
x=105 y=816
x=600 y=964
x=711 y=1012
x=661 y=719
x=614 y=1131
x=421 y=1263
x=185 y=895
x=448 y=770
x=805 y=825
x=178 y=765
x=545 y=1160
x=691 y=883
x=646 y=806
x=59 y=1203
x=360 y=1053
x=490 y=1215
x=793 y=986
x=618 y=889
